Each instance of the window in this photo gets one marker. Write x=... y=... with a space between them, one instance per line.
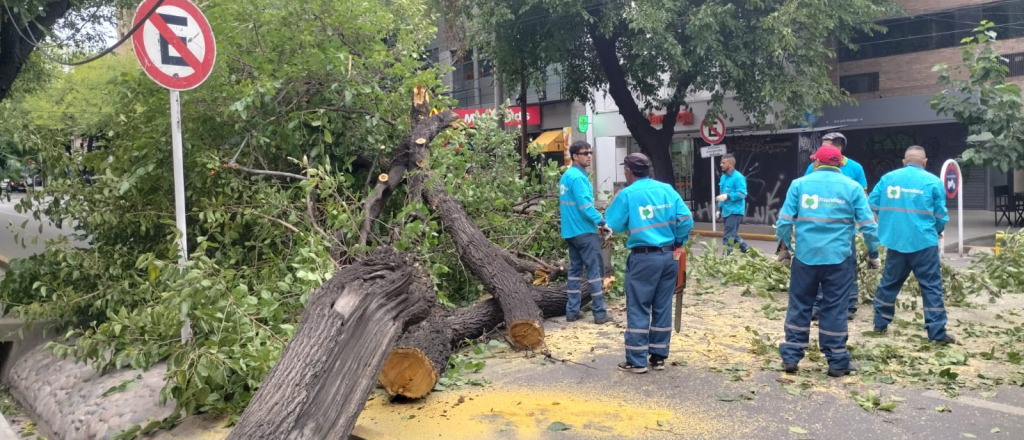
x=464 y=81
x=860 y=83
x=935 y=31
x=1015 y=61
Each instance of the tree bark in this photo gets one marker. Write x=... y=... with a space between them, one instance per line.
x=421 y=356
x=484 y=259
x=14 y=49
x=319 y=386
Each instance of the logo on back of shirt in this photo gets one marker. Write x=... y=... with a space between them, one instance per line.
x=813 y=202
x=809 y=202
x=895 y=192
x=562 y=189
x=646 y=212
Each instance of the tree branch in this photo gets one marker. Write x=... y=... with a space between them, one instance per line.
x=234 y=165
x=14 y=49
x=353 y=111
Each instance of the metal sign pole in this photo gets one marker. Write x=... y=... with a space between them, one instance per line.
x=714 y=206
x=179 y=175
x=960 y=208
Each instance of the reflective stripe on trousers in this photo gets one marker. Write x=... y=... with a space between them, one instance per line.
x=650 y=284
x=585 y=252
x=837 y=281
x=926 y=267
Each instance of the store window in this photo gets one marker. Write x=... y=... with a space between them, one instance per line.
x=682 y=164
x=464 y=82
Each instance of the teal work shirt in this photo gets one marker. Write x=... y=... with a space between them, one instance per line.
x=911 y=207
x=652 y=213
x=576 y=199
x=826 y=208
x=850 y=168
x=735 y=186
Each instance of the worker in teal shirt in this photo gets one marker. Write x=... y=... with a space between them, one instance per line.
x=732 y=203
x=825 y=208
x=580 y=224
x=850 y=168
x=911 y=207
x=657 y=221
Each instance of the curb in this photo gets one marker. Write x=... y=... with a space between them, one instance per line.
x=744 y=235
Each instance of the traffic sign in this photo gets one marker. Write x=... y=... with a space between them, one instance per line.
x=951 y=179
x=712 y=151
x=175 y=47
x=713 y=133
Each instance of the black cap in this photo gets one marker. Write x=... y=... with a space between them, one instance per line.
x=637 y=162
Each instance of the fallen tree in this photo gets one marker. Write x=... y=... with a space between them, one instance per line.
x=319 y=386
x=421 y=356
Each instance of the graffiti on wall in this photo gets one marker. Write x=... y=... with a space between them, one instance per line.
x=768 y=164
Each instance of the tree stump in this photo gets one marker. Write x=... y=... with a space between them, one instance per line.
x=320 y=385
x=421 y=356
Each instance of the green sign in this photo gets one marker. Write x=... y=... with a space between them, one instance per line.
x=583 y=123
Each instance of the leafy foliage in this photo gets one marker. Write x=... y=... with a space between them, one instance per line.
x=977 y=95
x=300 y=89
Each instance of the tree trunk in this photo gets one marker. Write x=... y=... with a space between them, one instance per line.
x=320 y=385
x=484 y=259
x=657 y=148
x=14 y=49
x=421 y=356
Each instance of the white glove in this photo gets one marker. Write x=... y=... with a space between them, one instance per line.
x=785 y=257
x=718 y=214
x=605 y=232
x=722 y=197
x=874 y=263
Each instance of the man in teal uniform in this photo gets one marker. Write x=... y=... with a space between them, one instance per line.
x=825 y=208
x=580 y=223
x=732 y=203
x=911 y=207
x=850 y=168
x=658 y=222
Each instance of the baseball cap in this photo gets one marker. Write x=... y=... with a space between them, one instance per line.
x=828 y=155
x=637 y=162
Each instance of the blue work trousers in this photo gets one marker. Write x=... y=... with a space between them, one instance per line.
x=926 y=267
x=650 y=284
x=854 y=294
x=731 y=236
x=837 y=281
x=585 y=264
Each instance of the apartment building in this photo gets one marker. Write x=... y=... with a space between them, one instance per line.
x=891 y=77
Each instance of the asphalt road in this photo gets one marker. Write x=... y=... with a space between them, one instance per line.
x=10 y=225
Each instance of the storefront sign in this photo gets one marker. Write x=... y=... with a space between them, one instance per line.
x=512 y=115
x=583 y=123
x=685 y=117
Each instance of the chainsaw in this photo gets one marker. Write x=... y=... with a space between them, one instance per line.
x=680 y=255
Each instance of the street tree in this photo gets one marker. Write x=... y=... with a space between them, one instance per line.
x=977 y=95
x=772 y=57
x=60 y=29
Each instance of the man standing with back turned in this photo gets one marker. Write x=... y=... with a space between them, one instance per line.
x=911 y=207
x=580 y=224
x=825 y=207
x=732 y=204
x=658 y=223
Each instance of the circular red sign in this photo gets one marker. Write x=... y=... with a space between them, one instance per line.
x=951 y=180
x=714 y=133
x=154 y=42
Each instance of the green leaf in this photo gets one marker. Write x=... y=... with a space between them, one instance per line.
x=558 y=426
x=409 y=417
x=663 y=423
x=969 y=435
x=797 y=430
x=887 y=406
x=989 y=394
x=943 y=408
x=996 y=430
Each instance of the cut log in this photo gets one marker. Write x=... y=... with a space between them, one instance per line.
x=320 y=385
x=485 y=260
x=421 y=356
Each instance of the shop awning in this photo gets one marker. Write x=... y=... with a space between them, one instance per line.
x=549 y=142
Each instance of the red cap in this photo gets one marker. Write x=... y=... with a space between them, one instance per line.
x=828 y=155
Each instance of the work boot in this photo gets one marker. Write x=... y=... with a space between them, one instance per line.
x=840 y=373
x=656 y=363
x=627 y=367
x=948 y=340
x=849 y=315
x=572 y=318
x=790 y=368
x=814 y=315
x=603 y=321
x=881 y=330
